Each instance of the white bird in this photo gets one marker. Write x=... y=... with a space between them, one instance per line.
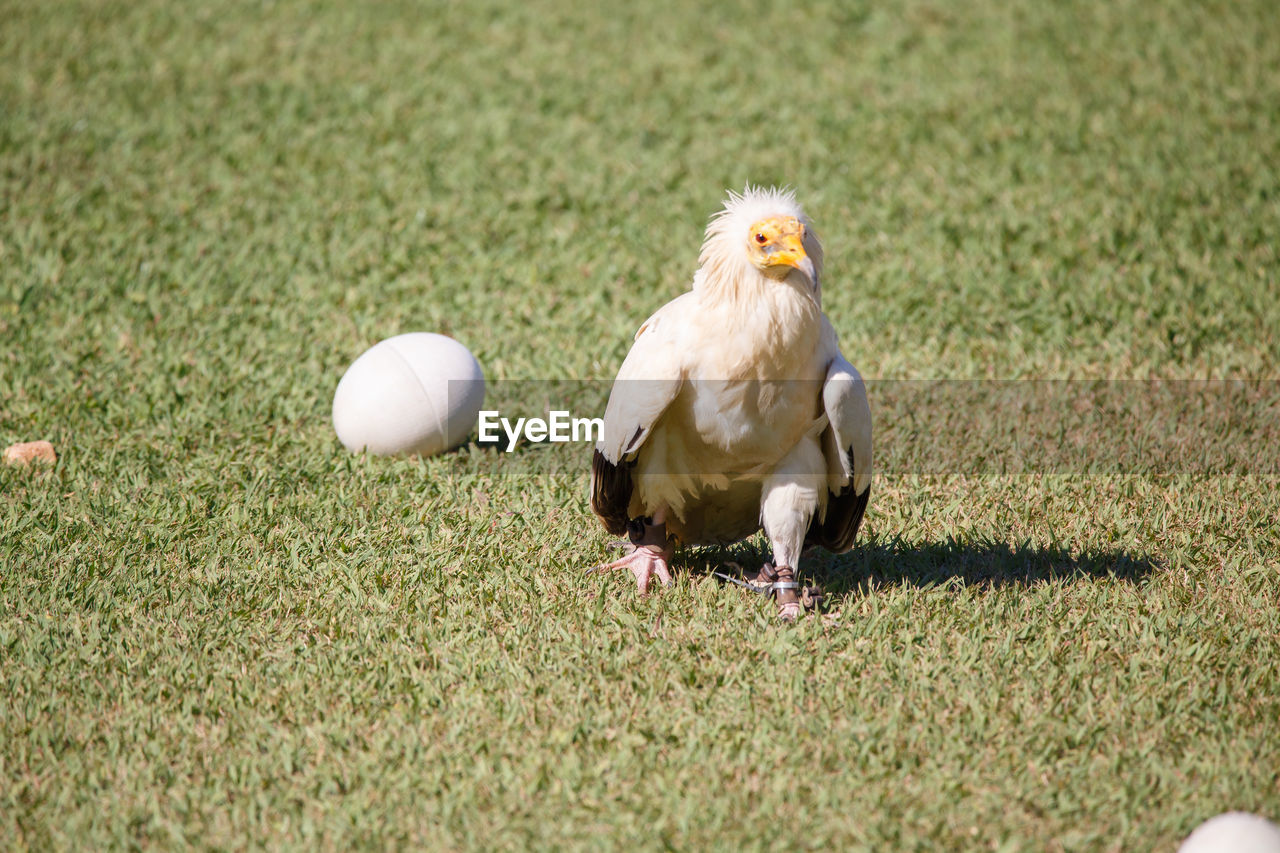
x=735 y=409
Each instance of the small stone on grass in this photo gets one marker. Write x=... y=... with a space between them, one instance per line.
x=26 y=452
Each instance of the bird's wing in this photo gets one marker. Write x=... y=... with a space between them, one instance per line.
x=846 y=444
x=649 y=379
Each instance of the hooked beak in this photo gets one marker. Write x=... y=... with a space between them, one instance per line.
x=806 y=266
x=790 y=252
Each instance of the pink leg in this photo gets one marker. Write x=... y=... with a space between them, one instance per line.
x=644 y=562
x=649 y=552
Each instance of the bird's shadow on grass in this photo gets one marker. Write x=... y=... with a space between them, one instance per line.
x=968 y=562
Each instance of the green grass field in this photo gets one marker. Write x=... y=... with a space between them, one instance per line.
x=220 y=629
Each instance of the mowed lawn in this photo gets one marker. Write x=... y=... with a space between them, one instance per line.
x=219 y=629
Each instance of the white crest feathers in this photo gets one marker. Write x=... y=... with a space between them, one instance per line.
x=723 y=259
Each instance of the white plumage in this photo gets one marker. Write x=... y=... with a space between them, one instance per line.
x=735 y=409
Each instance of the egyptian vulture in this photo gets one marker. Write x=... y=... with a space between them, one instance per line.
x=735 y=410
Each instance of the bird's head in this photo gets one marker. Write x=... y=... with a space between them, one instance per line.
x=762 y=232
x=775 y=246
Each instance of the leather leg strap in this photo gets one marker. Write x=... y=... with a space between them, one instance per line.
x=642 y=532
x=780 y=578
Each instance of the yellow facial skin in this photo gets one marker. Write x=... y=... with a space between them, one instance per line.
x=776 y=246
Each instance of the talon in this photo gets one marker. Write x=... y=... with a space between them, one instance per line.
x=644 y=563
x=646 y=554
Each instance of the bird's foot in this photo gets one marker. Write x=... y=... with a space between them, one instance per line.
x=644 y=562
x=785 y=589
x=790 y=595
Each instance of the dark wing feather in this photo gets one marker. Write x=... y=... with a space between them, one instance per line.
x=611 y=492
x=649 y=379
x=847 y=447
x=837 y=531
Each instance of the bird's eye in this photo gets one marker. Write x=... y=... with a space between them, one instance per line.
x=760 y=238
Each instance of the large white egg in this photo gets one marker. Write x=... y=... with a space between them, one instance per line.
x=414 y=393
x=1234 y=832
